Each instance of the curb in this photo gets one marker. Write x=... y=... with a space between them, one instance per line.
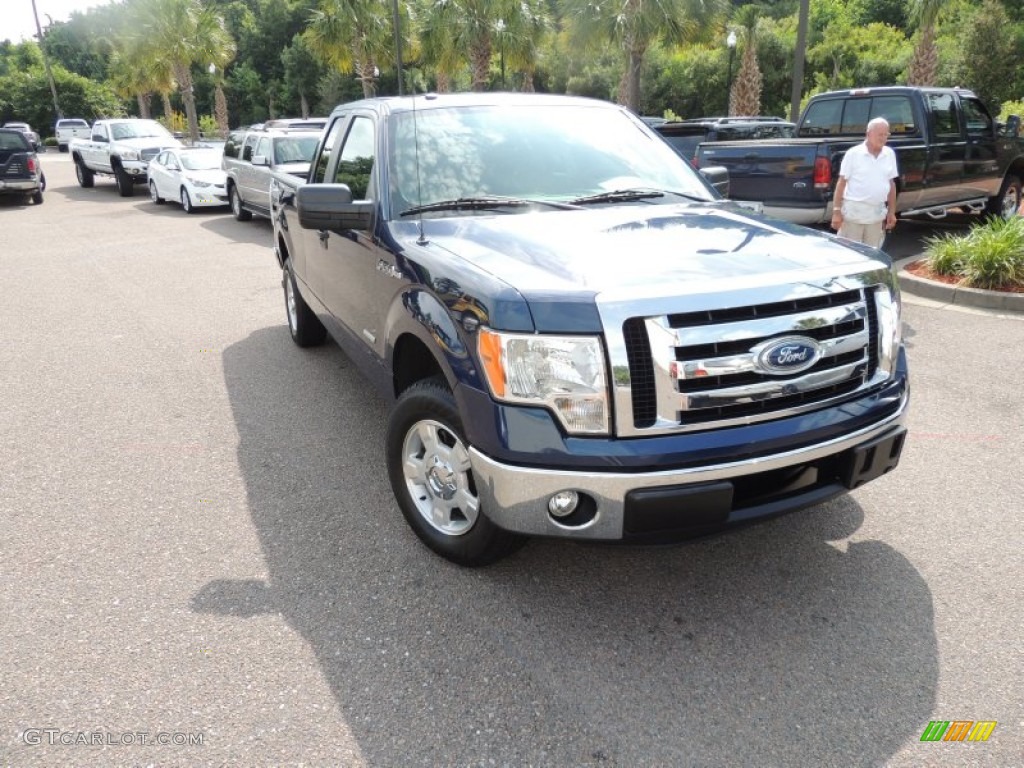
x=965 y=297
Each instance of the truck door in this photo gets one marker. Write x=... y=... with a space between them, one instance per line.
x=946 y=152
x=360 y=276
x=981 y=177
x=98 y=151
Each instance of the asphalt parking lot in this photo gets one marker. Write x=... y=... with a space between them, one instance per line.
x=203 y=563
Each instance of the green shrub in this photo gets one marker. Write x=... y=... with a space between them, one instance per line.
x=990 y=255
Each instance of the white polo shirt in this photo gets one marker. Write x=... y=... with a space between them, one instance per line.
x=867 y=177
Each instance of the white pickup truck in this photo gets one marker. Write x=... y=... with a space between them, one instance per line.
x=122 y=149
x=70 y=128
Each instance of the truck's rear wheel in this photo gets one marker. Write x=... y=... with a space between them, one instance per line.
x=432 y=479
x=236 y=205
x=303 y=324
x=125 y=184
x=1006 y=204
x=85 y=177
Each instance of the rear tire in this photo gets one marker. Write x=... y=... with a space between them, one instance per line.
x=86 y=178
x=303 y=324
x=1006 y=204
x=37 y=197
x=428 y=463
x=236 y=205
x=125 y=185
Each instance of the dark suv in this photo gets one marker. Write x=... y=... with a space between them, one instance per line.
x=20 y=171
x=685 y=135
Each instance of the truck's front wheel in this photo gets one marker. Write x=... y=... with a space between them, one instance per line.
x=1006 y=204
x=125 y=184
x=303 y=324
x=432 y=479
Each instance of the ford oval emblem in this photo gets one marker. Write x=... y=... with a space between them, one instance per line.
x=786 y=355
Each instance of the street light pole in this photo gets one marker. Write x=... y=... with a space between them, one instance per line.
x=730 y=41
x=46 y=62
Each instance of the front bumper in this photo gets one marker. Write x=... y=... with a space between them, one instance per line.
x=673 y=504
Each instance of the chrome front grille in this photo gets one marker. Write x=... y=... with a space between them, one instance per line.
x=703 y=369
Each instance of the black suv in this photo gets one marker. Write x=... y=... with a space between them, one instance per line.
x=685 y=135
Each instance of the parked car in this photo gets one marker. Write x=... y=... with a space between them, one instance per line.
x=951 y=153
x=20 y=170
x=263 y=153
x=189 y=175
x=32 y=136
x=685 y=135
x=70 y=128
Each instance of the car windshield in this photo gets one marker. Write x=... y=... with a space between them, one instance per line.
x=549 y=152
x=139 y=129
x=200 y=161
x=12 y=140
x=294 y=149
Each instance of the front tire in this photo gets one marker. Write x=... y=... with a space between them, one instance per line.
x=303 y=324
x=86 y=178
x=429 y=467
x=125 y=185
x=153 y=194
x=1006 y=204
x=236 y=205
x=186 y=202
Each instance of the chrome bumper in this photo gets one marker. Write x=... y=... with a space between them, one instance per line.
x=515 y=498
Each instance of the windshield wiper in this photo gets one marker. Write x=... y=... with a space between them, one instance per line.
x=619 y=196
x=483 y=203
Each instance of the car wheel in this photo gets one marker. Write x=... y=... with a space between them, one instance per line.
x=236 y=205
x=1006 y=204
x=42 y=182
x=153 y=194
x=432 y=478
x=86 y=178
x=186 y=202
x=62 y=147
x=37 y=197
x=125 y=185
x=303 y=324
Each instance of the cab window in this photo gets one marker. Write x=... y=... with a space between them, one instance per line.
x=355 y=165
x=324 y=158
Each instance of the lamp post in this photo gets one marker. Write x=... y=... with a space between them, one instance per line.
x=46 y=61
x=730 y=41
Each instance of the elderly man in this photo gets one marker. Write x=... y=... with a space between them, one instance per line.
x=864 y=206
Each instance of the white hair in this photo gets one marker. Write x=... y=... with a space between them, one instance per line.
x=876 y=121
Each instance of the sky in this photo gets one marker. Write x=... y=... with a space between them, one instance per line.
x=17 y=23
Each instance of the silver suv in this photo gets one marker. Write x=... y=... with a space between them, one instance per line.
x=249 y=164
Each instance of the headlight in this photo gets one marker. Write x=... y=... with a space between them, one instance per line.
x=130 y=154
x=890 y=327
x=563 y=373
x=198 y=182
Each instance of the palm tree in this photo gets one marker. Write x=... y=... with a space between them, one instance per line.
x=438 y=48
x=924 y=64
x=632 y=26
x=353 y=35
x=182 y=33
x=745 y=98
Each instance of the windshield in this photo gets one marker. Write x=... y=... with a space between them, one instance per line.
x=200 y=161
x=293 y=149
x=139 y=129
x=547 y=152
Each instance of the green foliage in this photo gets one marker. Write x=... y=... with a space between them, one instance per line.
x=1011 y=108
x=991 y=255
x=987 y=43
x=25 y=95
x=851 y=56
x=208 y=127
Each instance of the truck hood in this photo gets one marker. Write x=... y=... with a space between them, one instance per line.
x=621 y=248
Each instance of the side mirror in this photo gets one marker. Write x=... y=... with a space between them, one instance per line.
x=330 y=206
x=718 y=177
x=1012 y=126
x=260 y=160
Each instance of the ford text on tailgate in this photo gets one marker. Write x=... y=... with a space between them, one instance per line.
x=581 y=339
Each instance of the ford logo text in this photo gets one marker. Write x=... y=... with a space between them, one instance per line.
x=786 y=355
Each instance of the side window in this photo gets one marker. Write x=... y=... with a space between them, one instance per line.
x=262 y=147
x=944 y=114
x=250 y=142
x=99 y=133
x=822 y=118
x=355 y=166
x=979 y=122
x=325 y=150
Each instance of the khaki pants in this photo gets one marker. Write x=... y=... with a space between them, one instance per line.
x=861 y=223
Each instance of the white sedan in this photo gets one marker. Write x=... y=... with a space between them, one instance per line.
x=190 y=175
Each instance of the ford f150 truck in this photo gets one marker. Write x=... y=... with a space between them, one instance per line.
x=580 y=337
x=122 y=149
x=950 y=152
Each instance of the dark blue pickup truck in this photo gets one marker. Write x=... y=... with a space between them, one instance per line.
x=950 y=151
x=581 y=339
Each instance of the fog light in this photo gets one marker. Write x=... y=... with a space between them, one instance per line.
x=563 y=503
